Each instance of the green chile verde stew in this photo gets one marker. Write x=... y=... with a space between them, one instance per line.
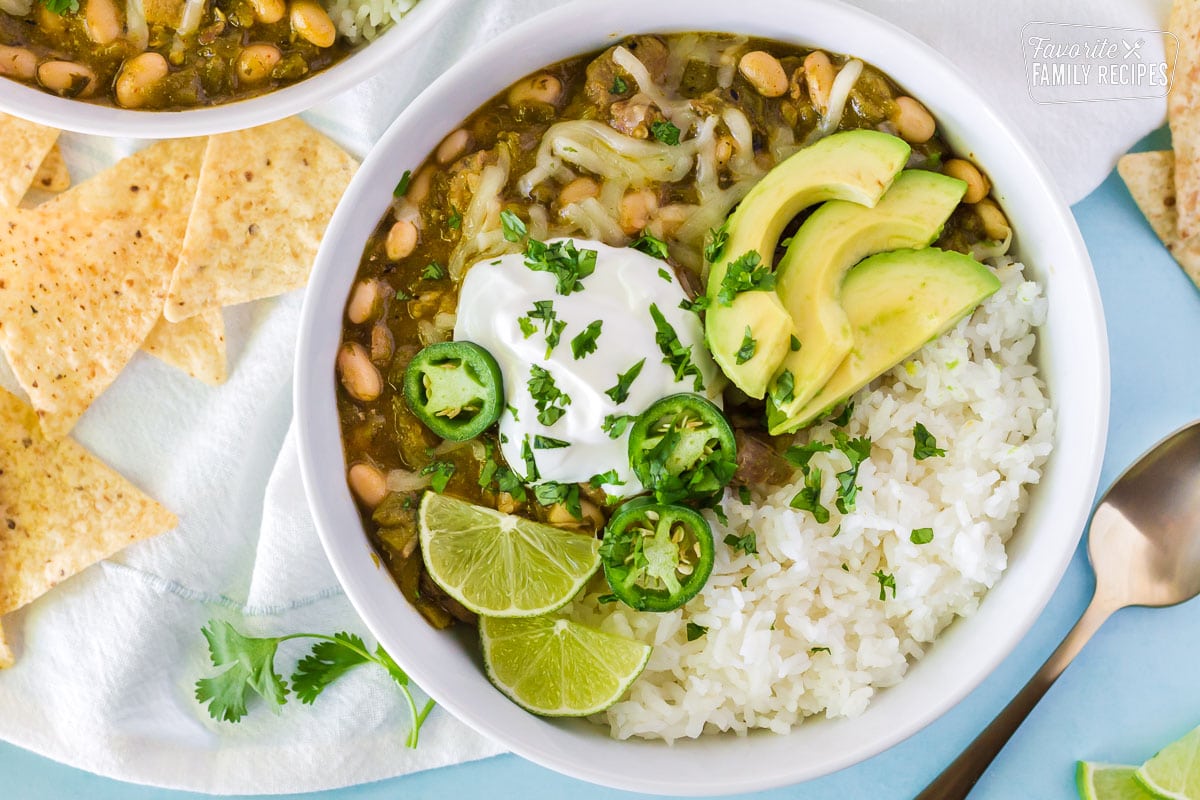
x=168 y=54
x=525 y=169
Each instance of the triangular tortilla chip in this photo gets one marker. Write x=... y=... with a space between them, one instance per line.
x=196 y=345
x=1183 y=113
x=64 y=510
x=53 y=175
x=6 y=654
x=23 y=146
x=1149 y=178
x=83 y=277
x=264 y=200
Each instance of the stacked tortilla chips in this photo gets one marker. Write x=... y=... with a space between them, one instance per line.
x=143 y=255
x=1166 y=184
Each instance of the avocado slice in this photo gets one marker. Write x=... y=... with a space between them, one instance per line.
x=857 y=166
x=897 y=302
x=837 y=236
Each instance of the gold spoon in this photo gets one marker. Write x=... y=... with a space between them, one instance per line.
x=1144 y=545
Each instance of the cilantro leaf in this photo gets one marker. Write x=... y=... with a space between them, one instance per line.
x=441 y=471
x=513 y=226
x=784 y=388
x=433 y=271
x=794 y=344
x=531 y=467
x=405 y=179
x=695 y=631
x=924 y=444
x=747 y=273
x=886 y=582
x=251 y=669
x=665 y=132
x=620 y=392
x=527 y=326
x=327 y=662
x=549 y=400
x=798 y=455
x=921 y=536
x=748 y=348
x=744 y=494
x=454 y=221
x=552 y=493
x=608 y=478
x=651 y=245
x=585 y=342
x=676 y=355
x=747 y=542
x=857 y=451
x=699 y=304
x=809 y=498
x=548 y=443
x=716 y=240
x=568 y=264
x=615 y=424
x=819 y=650
x=619 y=86
x=843 y=418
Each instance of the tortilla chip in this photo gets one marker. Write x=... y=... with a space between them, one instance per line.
x=1149 y=178
x=83 y=277
x=64 y=509
x=25 y=147
x=264 y=200
x=53 y=175
x=196 y=345
x=6 y=654
x=1183 y=113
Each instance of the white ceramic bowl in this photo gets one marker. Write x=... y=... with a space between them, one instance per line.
x=73 y=115
x=1073 y=356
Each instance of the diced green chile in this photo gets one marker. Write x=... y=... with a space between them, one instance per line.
x=455 y=389
x=656 y=557
x=682 y=448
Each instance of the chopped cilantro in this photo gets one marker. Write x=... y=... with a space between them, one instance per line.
x=527 y=326
x=699 y=304
x=794 y=344
x=886 y=582
x=716 y=240
x=748 y=348
x=531 y=468
x=857 y=451
x=552 y=493
x=744 y=494
x=820 y=650
x=619 y=86
x=609 y=478
x=513 y=226
x=433 y=271
x=747 y=273
x=747 y=542
x=615 y=424
x=665 y=132
x=454 y=221
x=664 y=274
x=549 y=400
x=843 y=419
x=675 y=355
x=924 y=444
x=441 y=472
x=651 y=245
x=809 y=498
x=921 y=536
x=548 y=443
x=784 y=388
x=798 y=455
x=585 y=342
x=568 y=264
x=605 y=599
x=513 y=410
x=620 y=392
x=405 y=179
x=551 y=326
x=695 y=631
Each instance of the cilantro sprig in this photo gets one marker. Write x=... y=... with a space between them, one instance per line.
x=584 y=342
x=567 y=263
x=676 y=355
x=620 y=392
x=250 y=670
x=924 y=444
x=549 y=400
x=747 y=273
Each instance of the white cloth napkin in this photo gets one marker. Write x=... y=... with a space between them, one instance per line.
x=107 y=662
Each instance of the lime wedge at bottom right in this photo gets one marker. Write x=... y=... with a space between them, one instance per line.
x=1109 y=782
x=1174 y=773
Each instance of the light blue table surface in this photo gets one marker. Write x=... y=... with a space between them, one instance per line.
x=1134 y=688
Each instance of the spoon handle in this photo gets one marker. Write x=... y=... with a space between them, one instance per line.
x=956 y=781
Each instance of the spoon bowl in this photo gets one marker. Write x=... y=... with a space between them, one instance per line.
x=1144 y=543
x=1144 y=546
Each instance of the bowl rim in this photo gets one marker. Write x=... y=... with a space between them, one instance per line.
x=95 y=119
x=314 y=390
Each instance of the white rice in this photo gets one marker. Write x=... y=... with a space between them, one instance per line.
x=365 y=19
x=812 y=586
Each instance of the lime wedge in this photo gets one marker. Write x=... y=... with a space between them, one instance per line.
x=1174 y=772
x=1109 y=782
x=558 y=668
x=499 y=565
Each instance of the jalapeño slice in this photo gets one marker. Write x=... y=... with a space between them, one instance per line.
x=682 y=448
x=656 y=557
x=455 y=389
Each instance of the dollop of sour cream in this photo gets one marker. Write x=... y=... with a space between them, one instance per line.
x=494 y=307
